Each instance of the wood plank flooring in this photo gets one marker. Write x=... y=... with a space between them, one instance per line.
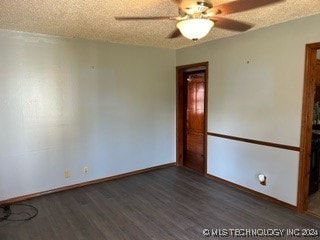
x=171 y=203
x=314 y=203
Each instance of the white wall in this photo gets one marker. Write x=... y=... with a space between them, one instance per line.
x=255 y=91
x=67 y=103
x=243 y=163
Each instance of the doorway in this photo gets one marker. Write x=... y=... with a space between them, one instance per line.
x=309 y=177
x=314 y=175
x=192 y=82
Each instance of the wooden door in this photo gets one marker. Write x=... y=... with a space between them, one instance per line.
x=194 y=122
x=306 y=125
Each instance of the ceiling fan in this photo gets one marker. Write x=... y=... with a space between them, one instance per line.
x=196 y=18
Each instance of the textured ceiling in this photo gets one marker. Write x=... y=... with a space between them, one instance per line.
x=94 y=19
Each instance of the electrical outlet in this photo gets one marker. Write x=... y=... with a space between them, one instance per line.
x=67 y=173
x=262 y=179
x=85 y=170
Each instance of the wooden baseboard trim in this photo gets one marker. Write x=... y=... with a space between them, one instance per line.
x=312 y=214
x=258 y=142
x=252 y=192
x=84 y=184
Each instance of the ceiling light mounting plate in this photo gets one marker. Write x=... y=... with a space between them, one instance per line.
x=204 y=4
x=198 y=7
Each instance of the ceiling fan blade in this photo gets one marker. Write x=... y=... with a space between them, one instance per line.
x=146 y=18
x=230 y=24
x=175 y=34
x=243 y=5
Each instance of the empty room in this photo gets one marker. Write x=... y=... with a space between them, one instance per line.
x=159 y=119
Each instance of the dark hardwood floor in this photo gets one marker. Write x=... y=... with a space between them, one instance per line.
x=314 y=203
x=171 y=203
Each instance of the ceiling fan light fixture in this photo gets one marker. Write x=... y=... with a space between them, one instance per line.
x=195 y=29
